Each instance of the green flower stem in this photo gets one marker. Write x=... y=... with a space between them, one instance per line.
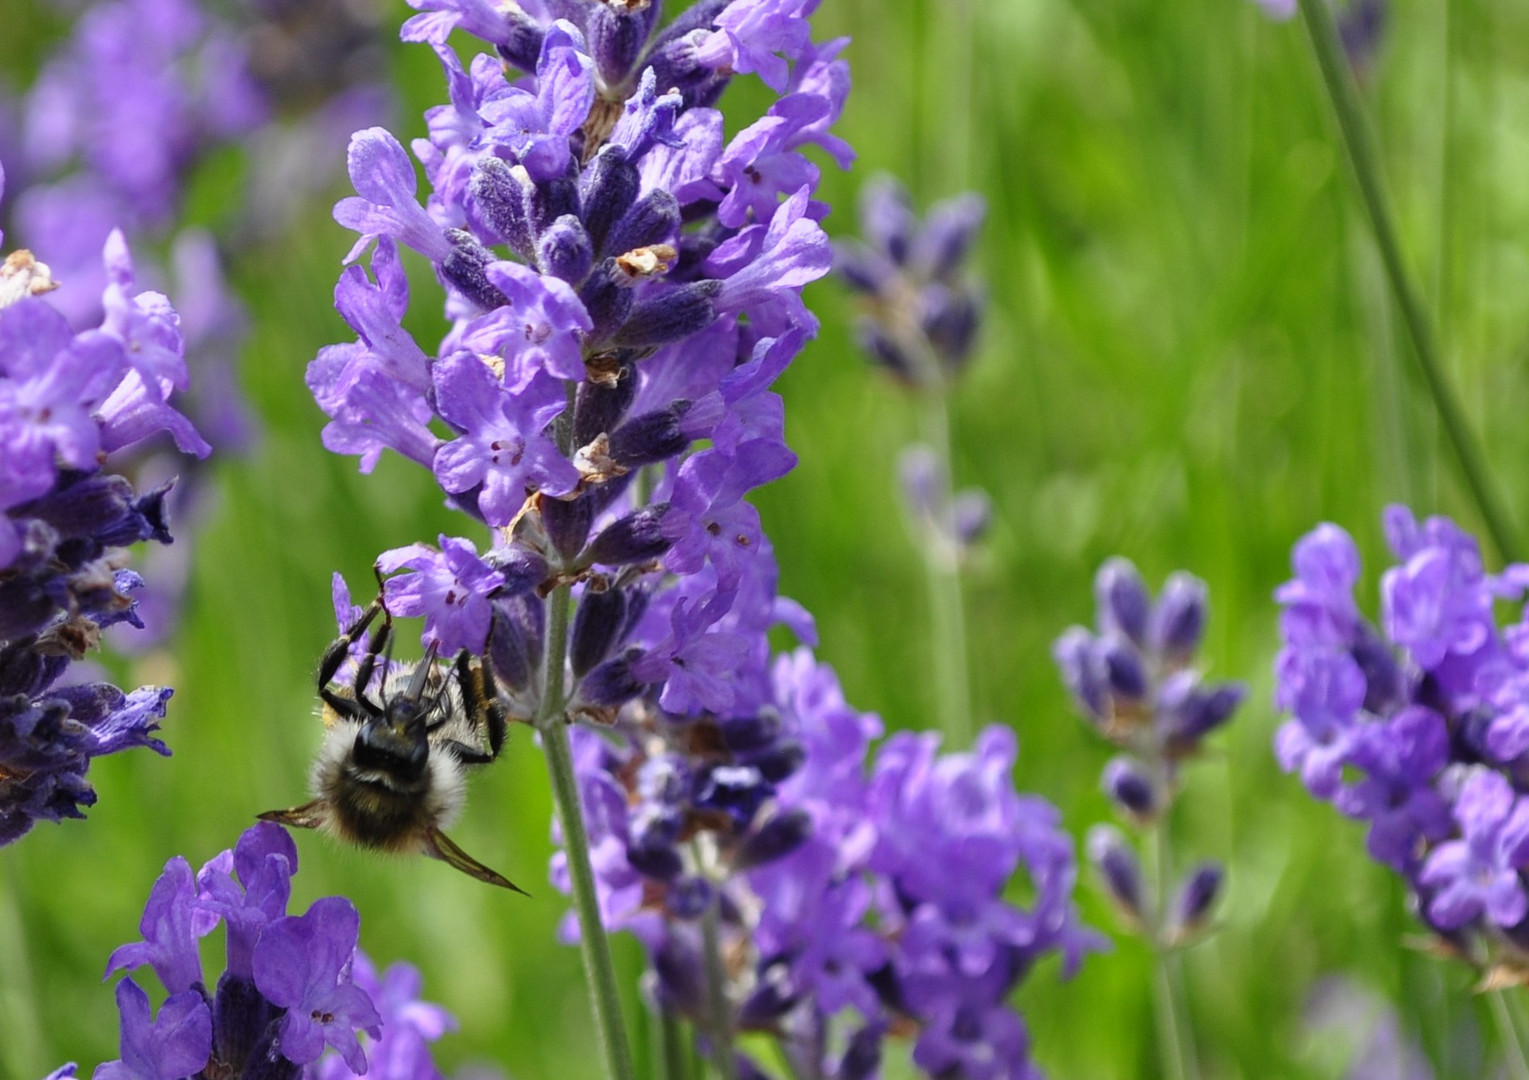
x=675 y=1063
x=1512 y=1046
x=1167 y=1001
x=942 y=575
x=1323 y=34
x=718 y=1014
x=551 y=722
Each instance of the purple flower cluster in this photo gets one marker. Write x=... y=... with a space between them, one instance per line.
x=67 y=400
x=624 y=282
x=859 y=895
x=293 y=985
x=1418 y=728
x=922 y=312
x=1134 y=679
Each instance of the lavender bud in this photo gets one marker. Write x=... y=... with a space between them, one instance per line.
x=971 y=514
x=737 y=789
x=1124 y=604
x=1074 y=655
x=515 y=639
x=1124 y=670
x=599 y=617
x=499 y=199
x=567 y=523
x=674 y=315
x=612 y=683
x=1201 y=713
x=660 y=863
x=242 y=1024
x=1116 y=864
x=550 y=200
x=651 y=437
x=887 y=219
x=653 y=219
x=564 y=250
x=689 y=897
x=610 y=189
x=775 y=839
x=463 y=269
x=79 y=507
x=524 y=43
x=884 y=351
x=1197 y=895
x=522 y=568
x=950 y=320
x=635 y=538
x=606 y=301
x=599 y=408
x=919 y=470
x=862 y=1057
x=946 y=238
x=862 y=269
x=616 y=37
x=779 y=761
x=1178 y=624
x=747 y=733
x=1129 y=785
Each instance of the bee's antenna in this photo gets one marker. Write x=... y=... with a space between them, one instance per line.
x=421 y=674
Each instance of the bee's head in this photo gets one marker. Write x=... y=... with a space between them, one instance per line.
x=398 y=742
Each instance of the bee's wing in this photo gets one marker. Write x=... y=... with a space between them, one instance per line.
x=440 y=846
x=310 y=815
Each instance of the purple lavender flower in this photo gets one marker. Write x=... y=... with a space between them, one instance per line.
x=175 y=1044
x=64 y=398
x=448 y=587
x=922 y=313
x=293 y=984
x=1479 y=873
x=1134 y=679
x=1414 y=728
x=302 y=964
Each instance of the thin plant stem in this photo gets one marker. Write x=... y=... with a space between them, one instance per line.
x=605 y=999
x=675 y=1060
x=1168 y=1005
x=1507 y=1033
x=942 y=575
x=719 y=1022
x=1341 y=92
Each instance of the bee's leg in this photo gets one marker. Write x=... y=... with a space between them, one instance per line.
x=480 y=698
x=438 y=845
x=359 y=706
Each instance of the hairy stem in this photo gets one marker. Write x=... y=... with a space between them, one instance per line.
x=1323 y=34
x=605 y=1000
x=942 y=574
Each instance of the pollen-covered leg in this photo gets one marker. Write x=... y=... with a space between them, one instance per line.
x=440 y=846
x=480 y=698
x=310 y=815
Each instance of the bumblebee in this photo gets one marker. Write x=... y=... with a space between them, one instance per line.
x=392 y=773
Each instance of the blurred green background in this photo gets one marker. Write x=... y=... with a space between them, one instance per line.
x=1190 y=359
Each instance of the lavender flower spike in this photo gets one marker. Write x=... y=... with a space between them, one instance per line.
x=66 y=398
x=293 y=985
